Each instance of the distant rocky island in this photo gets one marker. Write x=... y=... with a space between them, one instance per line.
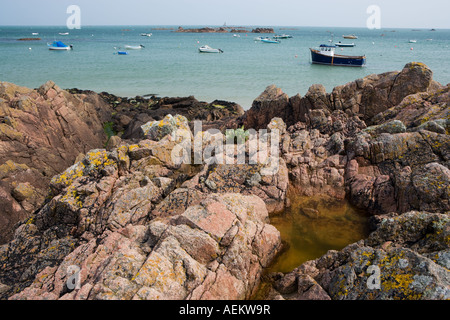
x=224 y=30
x=88 y=184
x=29 y=39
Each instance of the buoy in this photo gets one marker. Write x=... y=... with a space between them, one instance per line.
x=412 y=48
x=296 y=56
x=29 y=48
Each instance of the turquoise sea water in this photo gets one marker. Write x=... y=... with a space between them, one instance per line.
x=170 y=64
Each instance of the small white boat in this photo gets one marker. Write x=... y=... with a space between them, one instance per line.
x=346 y=45
x=135 y=47
x=236 y=36
x=412 y=41
x=282 y=36
x=35 y=33
x=208 y=49
x=63 y=33
x=260 y=38
x=146 y=34
x=270 y=41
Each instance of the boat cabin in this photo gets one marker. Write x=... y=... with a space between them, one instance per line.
x=327 y=49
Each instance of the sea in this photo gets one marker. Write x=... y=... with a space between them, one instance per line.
x=171 y=65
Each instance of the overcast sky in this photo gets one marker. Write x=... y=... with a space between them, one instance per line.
x=334 y=13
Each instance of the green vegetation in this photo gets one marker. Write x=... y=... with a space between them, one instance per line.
x=109 y=131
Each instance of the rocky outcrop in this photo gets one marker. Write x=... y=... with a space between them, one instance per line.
x=406 y=258
x=364 y=97
x=129 y=114
x=399 y=172
x=215 y=250
x=97 y=219
x=381 y=168
x=132 y=221
x=201 y=30
x=42 y=132
x=263 y=30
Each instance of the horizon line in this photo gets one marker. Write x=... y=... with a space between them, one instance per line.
x=227 y=26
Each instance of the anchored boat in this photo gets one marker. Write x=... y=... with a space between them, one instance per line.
x=208 y=49
x=345 y=45
x=326 y=55
x=350 y=36
x=59 y=46
x=134 y=47
x=282 y=36
x=270 y=41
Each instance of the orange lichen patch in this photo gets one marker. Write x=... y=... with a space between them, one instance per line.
x=72 y=197
x=67 y=177
x=99 y=159
x=397 y=281
x=133 y=147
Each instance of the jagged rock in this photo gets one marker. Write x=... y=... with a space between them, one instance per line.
x=389 y=173
x=185 y=257
x=270 y=104
x=416 y=110
x=394 y=126
x=156 y=130
x=365 y=98
x=41 y=133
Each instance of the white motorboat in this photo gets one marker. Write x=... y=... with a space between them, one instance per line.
x=208 y=49
x=270 y=40
x=347 y=45
x=63 y=33
x=146 y=34
x=282 y=36
x=59 y=46
x=412 y=41
x=135 y=47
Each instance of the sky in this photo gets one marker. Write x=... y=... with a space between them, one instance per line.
x=326 y=13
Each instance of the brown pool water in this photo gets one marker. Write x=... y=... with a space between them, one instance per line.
x=312 y=226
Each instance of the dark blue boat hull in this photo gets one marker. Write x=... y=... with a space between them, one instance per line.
x=337 y=60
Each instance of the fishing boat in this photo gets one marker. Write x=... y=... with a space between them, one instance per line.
x=270 y=41
x=260 y=38
x=345 y=45
x=350 y=36
x=208 y=49
x=282 y=36
x=134 y=47
x=59 y=46
x=326 y=55
x=146 y=34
